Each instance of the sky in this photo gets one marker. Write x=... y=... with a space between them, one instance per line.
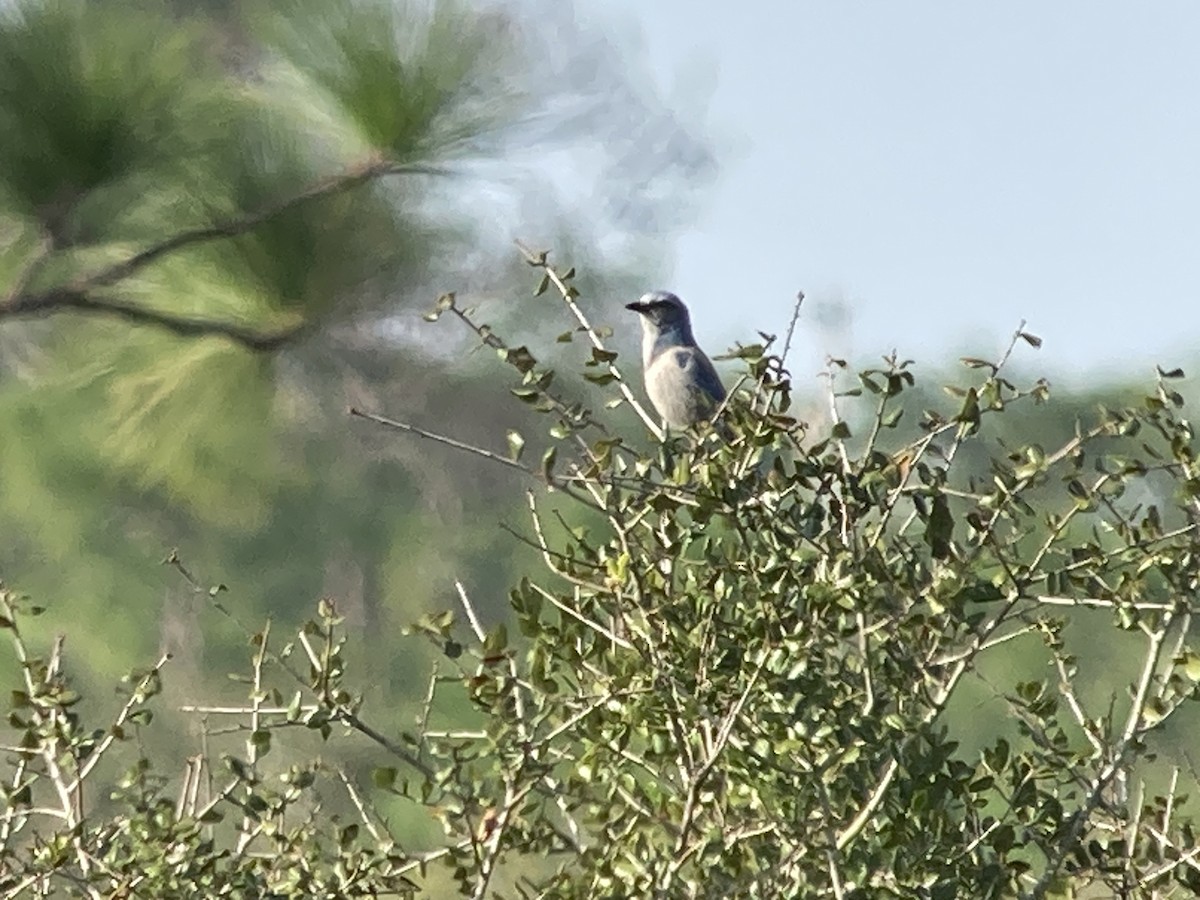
x=945 y=170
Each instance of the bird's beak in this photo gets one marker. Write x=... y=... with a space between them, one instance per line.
x=637 y=306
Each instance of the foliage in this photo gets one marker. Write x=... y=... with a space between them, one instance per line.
x=205 y=257
x=736 y=676
x=152 y=839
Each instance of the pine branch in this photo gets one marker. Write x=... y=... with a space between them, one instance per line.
x=81 y=295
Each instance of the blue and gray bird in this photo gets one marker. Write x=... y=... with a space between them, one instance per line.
x=680 y=379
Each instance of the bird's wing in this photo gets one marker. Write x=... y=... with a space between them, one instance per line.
x=699 y=370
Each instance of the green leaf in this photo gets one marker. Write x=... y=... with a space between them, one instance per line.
x=972 y=362
x=261 y=739
x=516 y=445
x=940 y=529
x=443 y=304
x=519 y=358
x=1191 y=665
x=968 y=416
x=1031 y=339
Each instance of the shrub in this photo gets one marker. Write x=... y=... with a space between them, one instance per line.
x=736 y=676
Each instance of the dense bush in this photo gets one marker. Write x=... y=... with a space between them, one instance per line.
x=736 y=676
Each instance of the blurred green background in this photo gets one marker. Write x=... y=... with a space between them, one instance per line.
x=124 y=123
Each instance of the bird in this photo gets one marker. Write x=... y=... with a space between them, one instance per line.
x=681 y=381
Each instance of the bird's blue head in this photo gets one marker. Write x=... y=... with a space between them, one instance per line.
x=661 y=308
x=664 y=314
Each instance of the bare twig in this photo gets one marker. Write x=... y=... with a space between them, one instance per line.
x=568 y=296
x=791 y=330
x=584 y=620
x=357 y=800
x=1067 y=690
x=245 y=710
x=189 y=791
x=546 y=478
x=441 y=439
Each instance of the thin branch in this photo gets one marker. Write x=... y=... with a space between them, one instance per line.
x=68 y=299
x=791 y=329
x=217 y=799
x=325 y=187
x=469 y=608
x=494 y=828
x=246 y=710
x=971 y=650
x=697 y=778
x=427 y=704
x=1098 y=603
x=938 y=704
x=10 y=808
x=420 y=861
x=256 y=698
x=442 y=439
x=925 y=443
x=190 y=789
x=584 y=620
x=1012 y=344
x=864 y=654
x=577 y=420
x=548 y=554
x=574 y=720
x=880 y=410
x=357 y=800
x=546 y=478
x=436 y=734
x=1067 y=689
x=136 y=698
x=832 y=854
x=568 y=296
x=1188 y=859
x=859 y=822
x=1135 y=726
x=835 y=415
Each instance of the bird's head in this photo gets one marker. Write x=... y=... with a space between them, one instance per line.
x=662 y=311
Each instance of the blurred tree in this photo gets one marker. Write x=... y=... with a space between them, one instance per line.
x=267 y=196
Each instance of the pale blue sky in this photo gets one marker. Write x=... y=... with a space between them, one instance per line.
x=948 y=169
